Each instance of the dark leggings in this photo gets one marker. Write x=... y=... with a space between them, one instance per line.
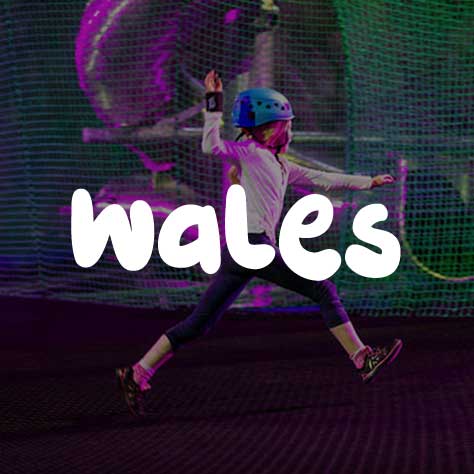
x=231 y=279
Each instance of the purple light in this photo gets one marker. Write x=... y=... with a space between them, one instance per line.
x=149 y=163
x=262 y=296
x=126 y=85
x=231 y=16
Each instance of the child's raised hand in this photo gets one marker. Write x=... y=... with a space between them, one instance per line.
x=213 y=82
x=382 y=179
x=233 y=175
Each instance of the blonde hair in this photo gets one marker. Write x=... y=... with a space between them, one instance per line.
x=272 y=135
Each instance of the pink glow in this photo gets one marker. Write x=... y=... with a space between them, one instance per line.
x=231 y=16
x=262 y=296
x=148 y=162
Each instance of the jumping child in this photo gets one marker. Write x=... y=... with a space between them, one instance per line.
x=264 y=117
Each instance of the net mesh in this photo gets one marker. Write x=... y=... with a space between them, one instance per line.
x=409 y=77
x=88 y=91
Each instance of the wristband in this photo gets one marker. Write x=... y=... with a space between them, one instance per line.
x=214 y=101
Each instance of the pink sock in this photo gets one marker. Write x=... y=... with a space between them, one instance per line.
x=141 y=376
x=358 y=357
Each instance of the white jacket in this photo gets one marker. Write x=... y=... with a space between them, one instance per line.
x=265 y=180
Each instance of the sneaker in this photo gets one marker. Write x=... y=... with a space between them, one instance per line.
x=131 y=392
x=378 y=358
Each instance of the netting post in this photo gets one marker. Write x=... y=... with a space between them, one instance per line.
x=262 y=73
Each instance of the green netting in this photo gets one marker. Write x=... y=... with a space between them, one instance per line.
x=378 y=87
x=410 y=83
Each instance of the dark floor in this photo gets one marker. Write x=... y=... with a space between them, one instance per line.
x=264 y=394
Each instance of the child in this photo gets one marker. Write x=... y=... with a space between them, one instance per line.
x=264 y=116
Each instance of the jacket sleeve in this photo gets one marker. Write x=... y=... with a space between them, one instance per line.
x=327 y=181
x=212 y=143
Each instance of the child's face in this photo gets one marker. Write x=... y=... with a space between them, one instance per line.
x=273 y=134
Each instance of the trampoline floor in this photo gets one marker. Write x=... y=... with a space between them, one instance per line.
x=262 y=394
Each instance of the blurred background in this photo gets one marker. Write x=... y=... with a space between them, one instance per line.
x=107 y=96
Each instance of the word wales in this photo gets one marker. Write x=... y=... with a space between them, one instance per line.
x=133 y=244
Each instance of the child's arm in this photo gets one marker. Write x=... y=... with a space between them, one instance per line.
x=334 y=181
x=211 y=139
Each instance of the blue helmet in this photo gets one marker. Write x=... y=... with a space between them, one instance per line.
x=255 y=107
